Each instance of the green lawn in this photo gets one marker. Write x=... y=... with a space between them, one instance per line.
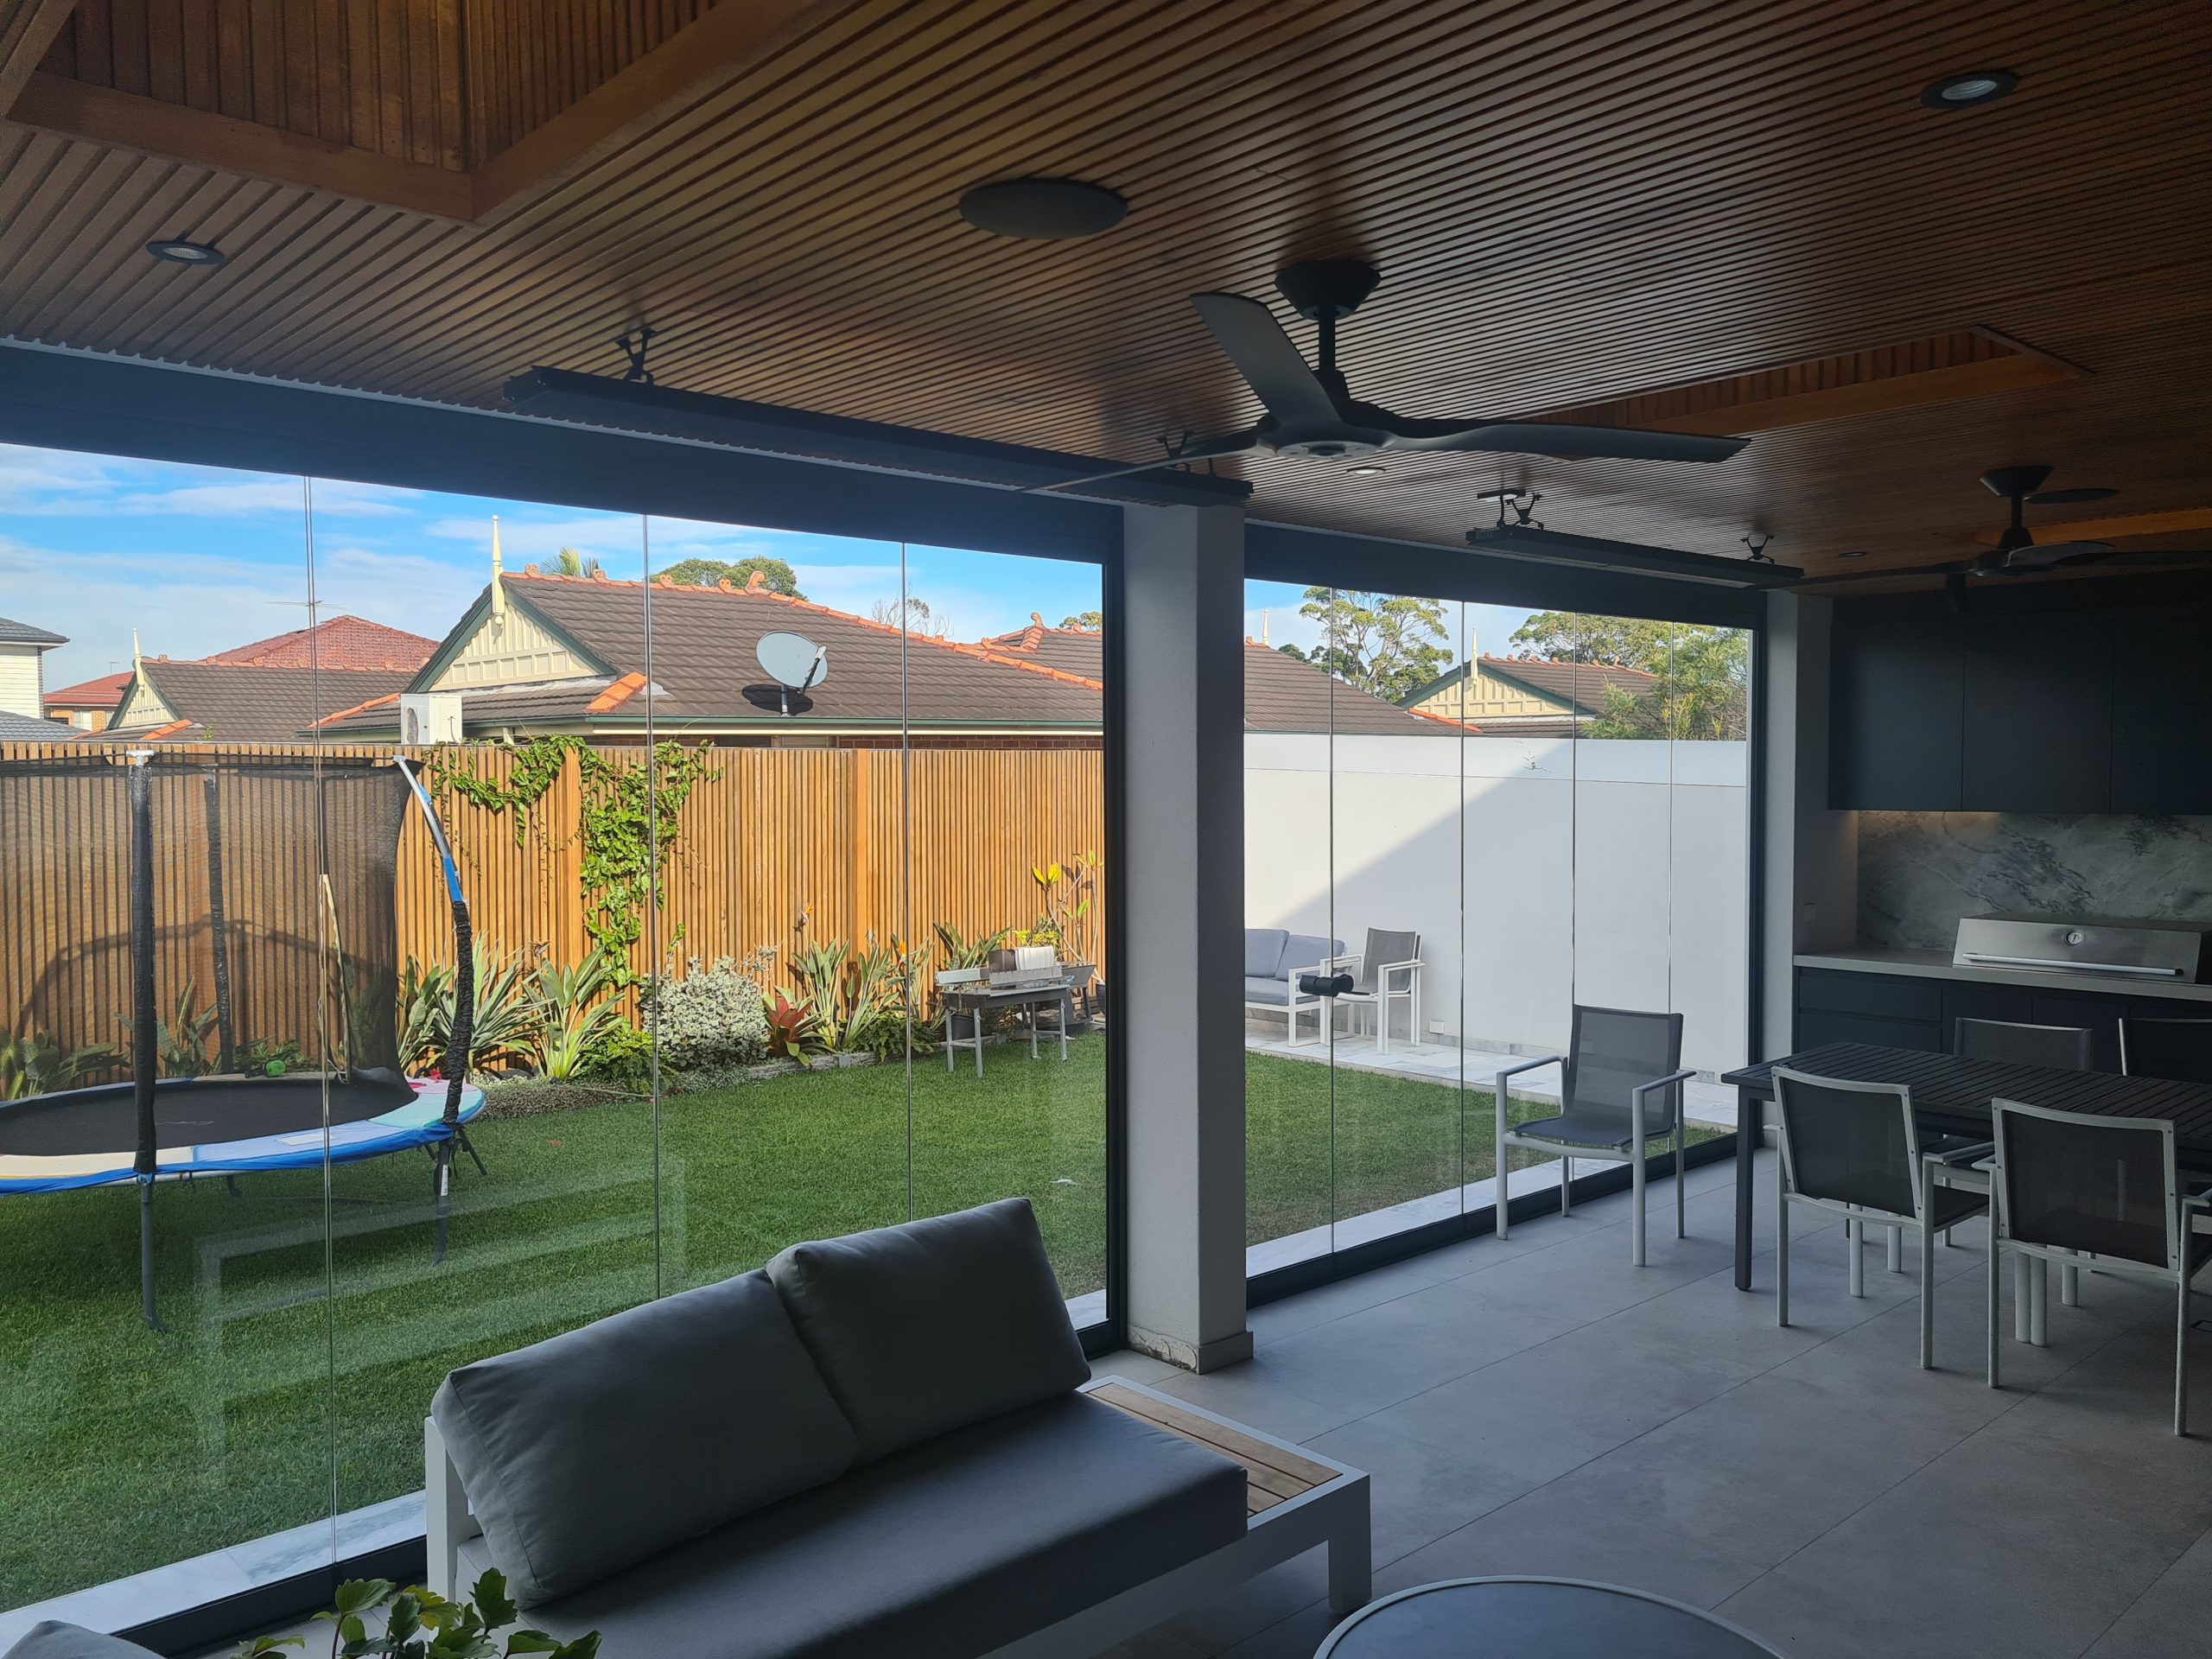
x=124 y=1448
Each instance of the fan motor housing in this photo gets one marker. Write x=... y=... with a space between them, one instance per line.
x=1326 y=440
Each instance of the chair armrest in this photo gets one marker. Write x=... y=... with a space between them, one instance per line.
x=2197 y=1200
x=1636 y=1095
x=1410 y=968
x=1962 y=1157
x=1504 y=1092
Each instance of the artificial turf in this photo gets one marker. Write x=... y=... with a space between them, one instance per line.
x=298 y=1359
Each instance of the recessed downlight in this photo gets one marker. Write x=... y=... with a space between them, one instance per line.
x=178 y=251
x=1366 y=469
x=1969 y=90
x=1859 y=553
x=1046 y=210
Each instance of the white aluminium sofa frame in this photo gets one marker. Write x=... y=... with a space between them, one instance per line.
x=1334 y=1514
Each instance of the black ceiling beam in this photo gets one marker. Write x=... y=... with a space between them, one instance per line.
x=120 y=406
x=1294 y=553
x=1541 y=546
x=607 y=401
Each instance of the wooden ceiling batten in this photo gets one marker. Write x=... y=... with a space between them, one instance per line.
x=29 y=29
x=1571 y=200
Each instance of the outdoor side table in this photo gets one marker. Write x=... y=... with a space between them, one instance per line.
x=1535 y=1618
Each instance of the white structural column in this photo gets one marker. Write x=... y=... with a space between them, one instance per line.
x=1179 y=982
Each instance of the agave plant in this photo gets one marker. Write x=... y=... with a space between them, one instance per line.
x=574 y=1015
x=507 y=1018
x=34 y=1064
x=858 y=997
x=962 y=952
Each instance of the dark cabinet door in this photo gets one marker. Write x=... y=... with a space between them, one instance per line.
x=2161 y=711
x=1894 y=718
x=1818 y=1026
x=2038 y=713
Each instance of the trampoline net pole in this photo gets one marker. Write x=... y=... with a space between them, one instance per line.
x=144 y=1036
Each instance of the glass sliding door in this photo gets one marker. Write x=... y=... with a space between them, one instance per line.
x=1526 y=810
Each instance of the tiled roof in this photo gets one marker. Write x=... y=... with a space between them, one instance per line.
x=103 y=693
x=1582 y=685
x=25 y=729
x=1076 y=650
x=344 y=642
x=22 y=634
x=705 y=673
x=232 y=703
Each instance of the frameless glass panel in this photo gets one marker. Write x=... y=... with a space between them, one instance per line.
x=1709 y=729
x=1397 y=843
x=997 y=905
x=166 y=974
x=493 y=654
x=1290 y=924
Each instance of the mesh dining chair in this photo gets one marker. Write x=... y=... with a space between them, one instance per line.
x=1852 y=1149
x=1387 y=970
x=2070 y=1048
x=2180 y=1050
x=2083 y=1189
x=1620 y=1089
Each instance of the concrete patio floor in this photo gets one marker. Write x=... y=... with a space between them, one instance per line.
x=1539 y=1406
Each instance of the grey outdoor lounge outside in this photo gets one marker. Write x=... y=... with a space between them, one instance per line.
x=1620 y=1089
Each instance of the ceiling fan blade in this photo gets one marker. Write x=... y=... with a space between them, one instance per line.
x=2049 y=556
x=1562 y=439
x=1237 y=444
x=2065 y=498
x=1269 y=360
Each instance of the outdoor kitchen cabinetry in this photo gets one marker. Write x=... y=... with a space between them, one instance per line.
x=1916 y=1011
x=2049 y=710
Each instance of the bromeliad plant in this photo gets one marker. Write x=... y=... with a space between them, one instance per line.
x=574 y=1016
x=34 y=1065
x=506 y=1015
x=419 y=1624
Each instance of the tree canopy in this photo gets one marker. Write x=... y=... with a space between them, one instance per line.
x=569 y=562
x=1084 y=621
x=1701 y=675
x=775 y=575
x=1387 y=643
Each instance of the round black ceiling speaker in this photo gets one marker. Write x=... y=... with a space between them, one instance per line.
x=1046 y=210
x=179 y=252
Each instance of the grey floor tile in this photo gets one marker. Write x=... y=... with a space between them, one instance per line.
x=1138 y=1368
x=1309 y=1308
x=1384 y=1354
x=1256 y=1393
x=2169 y=1619
x=1279 y=1593
x=1296 y=1637
x=1551 y=1531
x=1543 y=1411
x=1418 y=1491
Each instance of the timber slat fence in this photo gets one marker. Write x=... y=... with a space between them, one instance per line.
x=855 y=842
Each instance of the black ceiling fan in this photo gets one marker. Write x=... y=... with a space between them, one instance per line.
x=1310 y=410
x=2018 y=553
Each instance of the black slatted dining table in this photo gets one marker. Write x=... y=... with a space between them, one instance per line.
x=1951 y=1095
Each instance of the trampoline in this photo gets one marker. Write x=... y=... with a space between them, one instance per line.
x=296 y=925
x=218 y=1126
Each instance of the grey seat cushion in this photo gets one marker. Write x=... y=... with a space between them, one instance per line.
x=1263 y=952
x=589 y=1453
x=1276 y=991
x=52 y=1639
x=1303 y=952
x=926 y=1327
x=951 y=1548
x=1586 y=1128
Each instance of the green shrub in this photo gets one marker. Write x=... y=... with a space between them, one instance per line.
x=711 y=1016
x=622 y=1056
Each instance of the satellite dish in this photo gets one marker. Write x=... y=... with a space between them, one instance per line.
x=794 y=662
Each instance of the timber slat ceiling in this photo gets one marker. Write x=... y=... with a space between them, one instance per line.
x=1572 y=203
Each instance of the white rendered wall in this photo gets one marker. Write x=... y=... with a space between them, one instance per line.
x=1600 y=871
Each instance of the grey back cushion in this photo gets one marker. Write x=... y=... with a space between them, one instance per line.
x=1263 y=952
x=1306 y=951
x=53 y=1640
x=595 y=1449
x=925 y=1328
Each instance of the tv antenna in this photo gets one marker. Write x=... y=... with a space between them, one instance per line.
x=794 y=662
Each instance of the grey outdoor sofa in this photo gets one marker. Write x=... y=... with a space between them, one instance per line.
x=1274 y=958
x=884 y=1444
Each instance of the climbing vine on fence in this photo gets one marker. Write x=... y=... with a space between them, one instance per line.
x=616 y=814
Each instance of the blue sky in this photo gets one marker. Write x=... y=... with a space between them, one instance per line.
x=199 y=559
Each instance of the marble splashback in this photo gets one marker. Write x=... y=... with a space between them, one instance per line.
x=1919 y=872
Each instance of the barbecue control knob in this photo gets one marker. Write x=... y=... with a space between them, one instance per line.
x=2075 y=938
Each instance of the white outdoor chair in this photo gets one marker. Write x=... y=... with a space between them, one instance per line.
x=2088 y=1191
x=1388 y=971
x=1618 y=1060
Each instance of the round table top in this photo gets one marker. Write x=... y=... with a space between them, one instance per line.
x=1535 y=1618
